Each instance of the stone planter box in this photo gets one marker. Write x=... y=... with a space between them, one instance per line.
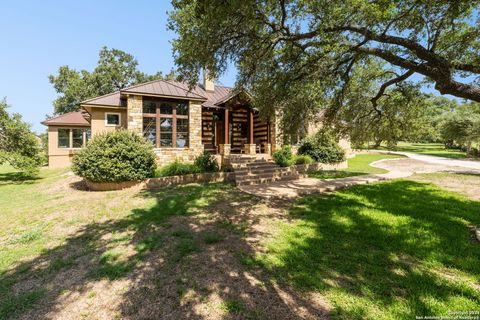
x=154 y=183
x=107 y=186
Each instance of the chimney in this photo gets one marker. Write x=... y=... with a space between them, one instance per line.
x=208 y=83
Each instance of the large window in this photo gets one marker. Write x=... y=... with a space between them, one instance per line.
x=165 y=123
x=64 y=138
x=73 y=138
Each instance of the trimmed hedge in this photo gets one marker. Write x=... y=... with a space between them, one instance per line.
x=116 y=156
x=283 y=157
x=322 y=147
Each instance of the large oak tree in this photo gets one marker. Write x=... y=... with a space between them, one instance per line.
x=298 y=54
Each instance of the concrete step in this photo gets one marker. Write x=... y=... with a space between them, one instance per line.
x=267 y=180
x=255 y=166
x=265 y=170
x=264 y=175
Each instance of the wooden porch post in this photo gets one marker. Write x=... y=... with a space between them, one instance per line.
x=250 y=126
x=226 y=129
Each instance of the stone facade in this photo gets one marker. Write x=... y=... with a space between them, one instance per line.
x=250 y=148
x=135 y=114
x=195 y=146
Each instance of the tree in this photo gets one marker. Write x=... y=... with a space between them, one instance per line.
x=18 y=145
x=281 y=46
x=461 y=129
x=115 y=70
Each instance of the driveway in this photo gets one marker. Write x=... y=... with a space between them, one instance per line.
x=468 y=164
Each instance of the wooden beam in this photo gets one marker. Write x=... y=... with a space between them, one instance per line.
x=250 y=126
x=226 y=131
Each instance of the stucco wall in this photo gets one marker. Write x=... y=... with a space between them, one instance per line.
x=98 y=123
x=59 y=157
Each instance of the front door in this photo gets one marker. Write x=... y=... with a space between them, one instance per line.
x=219 y=133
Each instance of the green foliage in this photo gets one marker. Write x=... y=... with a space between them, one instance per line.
x=283 y=157
x=18 y=145
x=302 y=159
x=115 y=157
x=322 y=147
x=176 y=168
x=461 y=130
x=115 y=70
x=206 y=162
x=302 y=56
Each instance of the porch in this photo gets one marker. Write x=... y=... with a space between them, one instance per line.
x=235 y=128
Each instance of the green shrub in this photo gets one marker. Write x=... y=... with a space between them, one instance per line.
x=302 y=159
x=322 y=147
x=115 y=157
x=283 y=157
x=177 y=168
x=206 y=162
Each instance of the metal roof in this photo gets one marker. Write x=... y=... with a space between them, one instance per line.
x=111 y=99
x=76 y=118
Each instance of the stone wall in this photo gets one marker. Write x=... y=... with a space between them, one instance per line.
x=154 y=183
x=195 y=146
x=135 y=114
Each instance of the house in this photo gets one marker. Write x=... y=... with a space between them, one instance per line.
x=180 y=123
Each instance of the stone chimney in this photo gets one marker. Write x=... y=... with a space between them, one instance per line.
x=208 y=83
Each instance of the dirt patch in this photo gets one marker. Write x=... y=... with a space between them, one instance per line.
x=467 y=183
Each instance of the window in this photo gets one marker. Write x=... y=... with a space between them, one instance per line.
x=88 y=135
x=165 y=123
x=112 y=119
x=64 y=138
x=77 y=138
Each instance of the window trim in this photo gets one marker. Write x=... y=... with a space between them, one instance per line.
x=113 y=113
x=174 y=116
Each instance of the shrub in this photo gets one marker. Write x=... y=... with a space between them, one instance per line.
x=177 y=168
x=302 y=159
x=206 y=162
x=115 y=157
x=322 y=147
x=283 y=157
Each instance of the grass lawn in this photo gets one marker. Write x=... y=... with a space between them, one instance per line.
x=432 y=149
x=382 y=251
x=392 y=250
x=357 y=166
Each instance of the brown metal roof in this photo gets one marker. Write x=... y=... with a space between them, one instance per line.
x=77 y=118
x=165 y=88
x=111 y=99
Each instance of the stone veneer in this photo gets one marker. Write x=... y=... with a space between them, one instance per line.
x=166 y=155
x=195 y=146
x=135 y=114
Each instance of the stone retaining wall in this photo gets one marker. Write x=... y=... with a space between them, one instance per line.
x=302 y=168
x=154 y=183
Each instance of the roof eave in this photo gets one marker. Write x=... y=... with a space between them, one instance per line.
x=165 y=96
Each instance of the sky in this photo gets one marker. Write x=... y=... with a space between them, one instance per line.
x=40 y=36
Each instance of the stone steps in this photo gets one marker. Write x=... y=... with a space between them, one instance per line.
x=251 y=171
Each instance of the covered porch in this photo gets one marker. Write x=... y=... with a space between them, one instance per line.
x=235 y=128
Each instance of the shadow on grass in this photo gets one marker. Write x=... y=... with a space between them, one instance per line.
x=372 y=250
x=188 y=247
x=335 y=174
x=10 y=178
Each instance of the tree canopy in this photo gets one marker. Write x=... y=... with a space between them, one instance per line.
x=302 y=55
x=18 y=145
x=115 y=70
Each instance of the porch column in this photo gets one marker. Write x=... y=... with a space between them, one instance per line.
x=226 y=130
x=250 y=148
x=250 y=126
x=225 y=147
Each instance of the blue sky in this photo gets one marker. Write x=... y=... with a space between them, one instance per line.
x=40 y=36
